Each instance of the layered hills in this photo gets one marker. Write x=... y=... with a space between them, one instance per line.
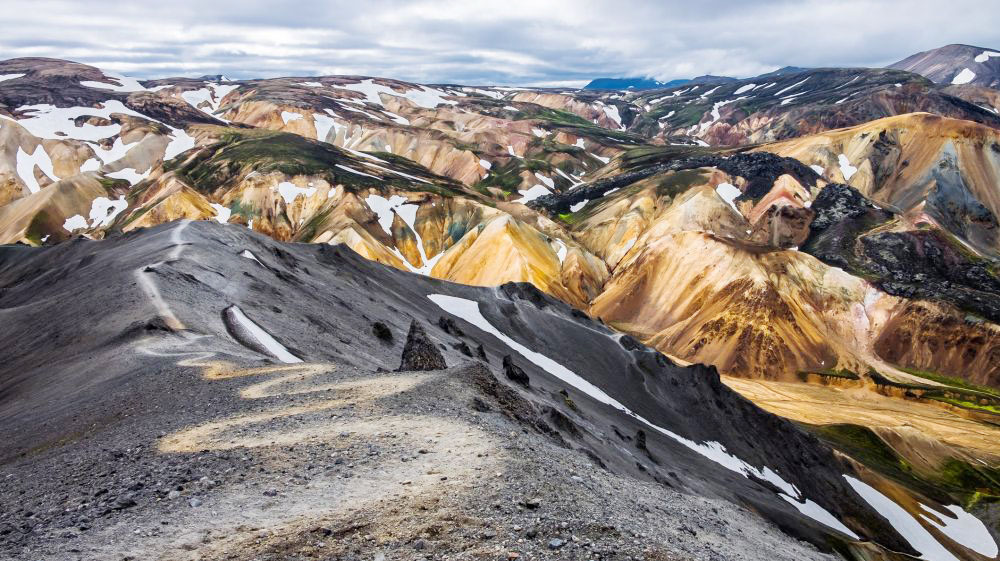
x=820 y=237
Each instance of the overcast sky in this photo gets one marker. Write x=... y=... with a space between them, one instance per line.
x=517 y=42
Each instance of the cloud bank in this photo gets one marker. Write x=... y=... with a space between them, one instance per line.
x=517 y=42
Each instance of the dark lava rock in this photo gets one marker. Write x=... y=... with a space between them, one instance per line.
x=514 y=372
x=449 y=326
x=420 y=353
x=759 y=169
x=836 y=203
x=382 y=331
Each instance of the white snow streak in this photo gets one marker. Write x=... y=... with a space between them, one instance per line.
x=246 y=253
x=714 y=451
x=354 y=171
x=902 y=522
x=795 y=85
x=264 y=338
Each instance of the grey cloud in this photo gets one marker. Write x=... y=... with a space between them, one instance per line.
x=514 y=42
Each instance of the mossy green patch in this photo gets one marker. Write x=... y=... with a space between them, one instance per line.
x=803 y=375
x=675 y=183
x=953 y=480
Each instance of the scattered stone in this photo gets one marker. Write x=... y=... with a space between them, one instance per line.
x=514 y=372
x=173 y=494
x=449 y=326
x=382 y=331
x=195 y=502
x=533 y=503
x=556 y=543
x=419 y=545
x=420 y=353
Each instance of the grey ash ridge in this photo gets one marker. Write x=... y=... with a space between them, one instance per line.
x=78 y=488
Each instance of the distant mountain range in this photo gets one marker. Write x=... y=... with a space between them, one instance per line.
x=955 y=64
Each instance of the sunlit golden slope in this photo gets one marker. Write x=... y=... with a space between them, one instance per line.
x=934 y=169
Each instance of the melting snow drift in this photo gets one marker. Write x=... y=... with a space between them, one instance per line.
x=714 y=451
x=262 y=337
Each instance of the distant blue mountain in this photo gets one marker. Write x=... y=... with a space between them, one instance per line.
x=631 y=84
x=651 y=84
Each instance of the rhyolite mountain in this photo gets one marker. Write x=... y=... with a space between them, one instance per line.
x=956 y=64
x=824 y=240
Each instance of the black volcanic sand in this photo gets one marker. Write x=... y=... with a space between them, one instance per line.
x=125 y=437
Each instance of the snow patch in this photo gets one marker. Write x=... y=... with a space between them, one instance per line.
x=964 y=528
x=577 y=206
x=981 y=57
x=384 y=209
x=561 y=252
x=323 y=125
x=75 y=222
x=845 y=167
x=612 y=112
x=212 y=94
x=422 y=96
x=5 y=77
x=49 y=121
x=528 y=195
x=290 y=191
x=246 y=253
x=485 y=164
x=728 y=193
x=548 y=181
x=902 y=522
x=125 y=84
x=818 y=169
x=744 y=89
x=180 y=142
x=130 y=175
x=104 y=210
x=289 y=116
x=222 y=213
x=26 y=166
x=264 y=338
x=964 y=77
